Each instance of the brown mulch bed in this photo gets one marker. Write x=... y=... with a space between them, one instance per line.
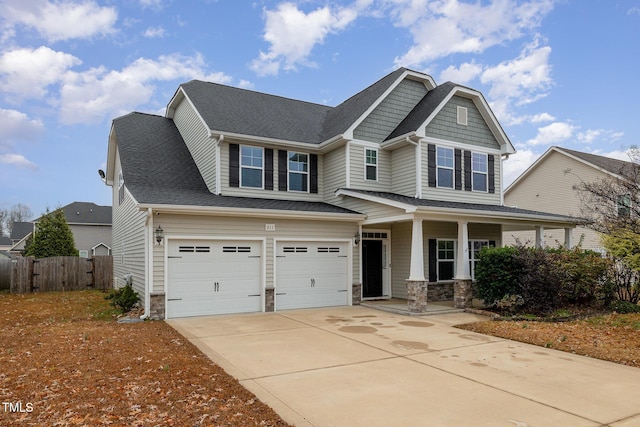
x=613 y=337
x=65 y=361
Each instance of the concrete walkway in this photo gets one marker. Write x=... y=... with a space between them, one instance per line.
x=354 y=366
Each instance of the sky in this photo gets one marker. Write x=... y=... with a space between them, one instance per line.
x=555 y=72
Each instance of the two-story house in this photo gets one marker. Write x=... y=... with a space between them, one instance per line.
x=239 y=201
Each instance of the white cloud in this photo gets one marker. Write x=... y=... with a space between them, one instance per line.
x=516 y=164
x=592 y=135
x=292 y=35
x=17 y=160
x=98 y=93
x=462 y=74
x=542 y=117
x=553 y=133
x=154 y=32
x=634 y=11
x=28 y=72
x=444 y=27
x=17 y=126
x=60 y=20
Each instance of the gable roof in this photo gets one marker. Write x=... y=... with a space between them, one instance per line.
x=158 y=170
x=20 y=230
x=5 y=241
x=226 y=109
x=85 y=213
x=605 y=164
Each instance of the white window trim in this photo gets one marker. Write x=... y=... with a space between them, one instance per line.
x=472 y=258
x=486 y=174
x=455 y=259
x=462 y=116
x=289 y=171
x=452 y=168
x=261 y=168
x=370 y=164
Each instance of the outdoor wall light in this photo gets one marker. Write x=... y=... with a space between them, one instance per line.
x=356 y=238
x=159 y=234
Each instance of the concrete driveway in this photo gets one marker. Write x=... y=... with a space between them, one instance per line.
x=355 y=366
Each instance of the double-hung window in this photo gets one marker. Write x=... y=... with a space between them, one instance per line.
x=479 y=171
x=446 y=259
x=371 y=164
x=251 y=166
x=624 y=206
x=444 y=163
x=298 y=171
x=475 y=246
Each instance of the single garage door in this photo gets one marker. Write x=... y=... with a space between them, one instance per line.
x=213 y=277
x=311 y=274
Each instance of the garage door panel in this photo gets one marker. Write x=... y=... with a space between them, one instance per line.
x=213 y=277
x=311 y=274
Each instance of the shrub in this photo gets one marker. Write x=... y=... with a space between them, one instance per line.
x=496 y=274
x=585 y=274
x=624 y=307
x=124 y=298
x=538 y=281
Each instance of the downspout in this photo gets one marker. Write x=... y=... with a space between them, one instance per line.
x=220 y=140
x=148 y=255
x=347 y=156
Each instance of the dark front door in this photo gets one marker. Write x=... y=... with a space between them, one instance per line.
x=371 y=268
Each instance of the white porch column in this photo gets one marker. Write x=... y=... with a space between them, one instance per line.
x=539 y=236
x=568 y=238
x=462 y=256
x=416 y=271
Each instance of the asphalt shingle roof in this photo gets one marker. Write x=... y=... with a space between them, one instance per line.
x=614 y=166
x=21 y=229
x=158 y=169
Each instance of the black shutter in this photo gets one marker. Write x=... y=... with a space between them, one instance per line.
x=458 y=168
x=467 y=170
x=431 y=164
x=433 y=261
x=283 y=159
x=492 y=173
x=234 y=165
x=492 y=243
x=313 y=173
x=268 y=169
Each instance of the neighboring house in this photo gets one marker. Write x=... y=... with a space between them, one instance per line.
x=20 y=233
x=89 y=223
x=239 y=201
x=5 y=243
x=549 y=185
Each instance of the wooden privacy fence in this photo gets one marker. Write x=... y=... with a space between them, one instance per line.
x=61 y=274
x=5 y=273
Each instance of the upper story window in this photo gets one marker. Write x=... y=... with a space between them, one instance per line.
x=624 y=206
x=371 y=164
x=251 y=166
x=298 y=171
x=479 y=170
x=444 y=164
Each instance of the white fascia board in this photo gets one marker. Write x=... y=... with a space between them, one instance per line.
x=529 y=169
x=371 y=198
x=112 y=148
x=578 y=159
x=173 y=103
x=496 y=216
x=426 y=79
x=252 y=213
x=400 y=141
x=323 y=147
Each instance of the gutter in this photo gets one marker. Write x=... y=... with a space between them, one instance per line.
x=148 y=254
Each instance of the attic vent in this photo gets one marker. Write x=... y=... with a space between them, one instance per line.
x=462 y=116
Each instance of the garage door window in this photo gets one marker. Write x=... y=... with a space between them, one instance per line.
x=328 y=250
x=236 y=249
x=294 y=249
x=200 y=249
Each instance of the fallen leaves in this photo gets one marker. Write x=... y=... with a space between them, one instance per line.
x=77 y=366
x=613 y=337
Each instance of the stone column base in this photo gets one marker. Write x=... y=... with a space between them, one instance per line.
x=269 y=301
x=417 y=296
x=156 y=306
x=463 y=293
x=356 y=294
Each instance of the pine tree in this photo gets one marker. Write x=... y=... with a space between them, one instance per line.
x=53 y=237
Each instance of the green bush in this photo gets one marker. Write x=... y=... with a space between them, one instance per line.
x=496 y=274
x=624 y=307
x=124 y=298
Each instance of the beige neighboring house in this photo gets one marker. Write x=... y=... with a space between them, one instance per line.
x=239 y=201
x=89 y=223
x=548 y=185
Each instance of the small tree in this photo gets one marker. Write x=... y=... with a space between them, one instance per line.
x=52 y=237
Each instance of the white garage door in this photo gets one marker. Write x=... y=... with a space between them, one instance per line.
x=213 y=277
x=311 y=274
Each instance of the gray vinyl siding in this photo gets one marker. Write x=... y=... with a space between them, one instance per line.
x=403 y=165
x=128 y=233
x=453 y=195
x=391 y=111
x=269 y=194
x=476 y=132
x=251 y=228
x=335 y=170
x=196 y=138
x=357 y=169
x=87 y=236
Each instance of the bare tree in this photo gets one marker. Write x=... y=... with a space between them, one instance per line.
x=17 y=213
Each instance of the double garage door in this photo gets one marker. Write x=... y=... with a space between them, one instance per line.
x=220 y=277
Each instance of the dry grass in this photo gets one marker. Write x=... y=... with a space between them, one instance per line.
x=66 y=361
x=613 y=337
